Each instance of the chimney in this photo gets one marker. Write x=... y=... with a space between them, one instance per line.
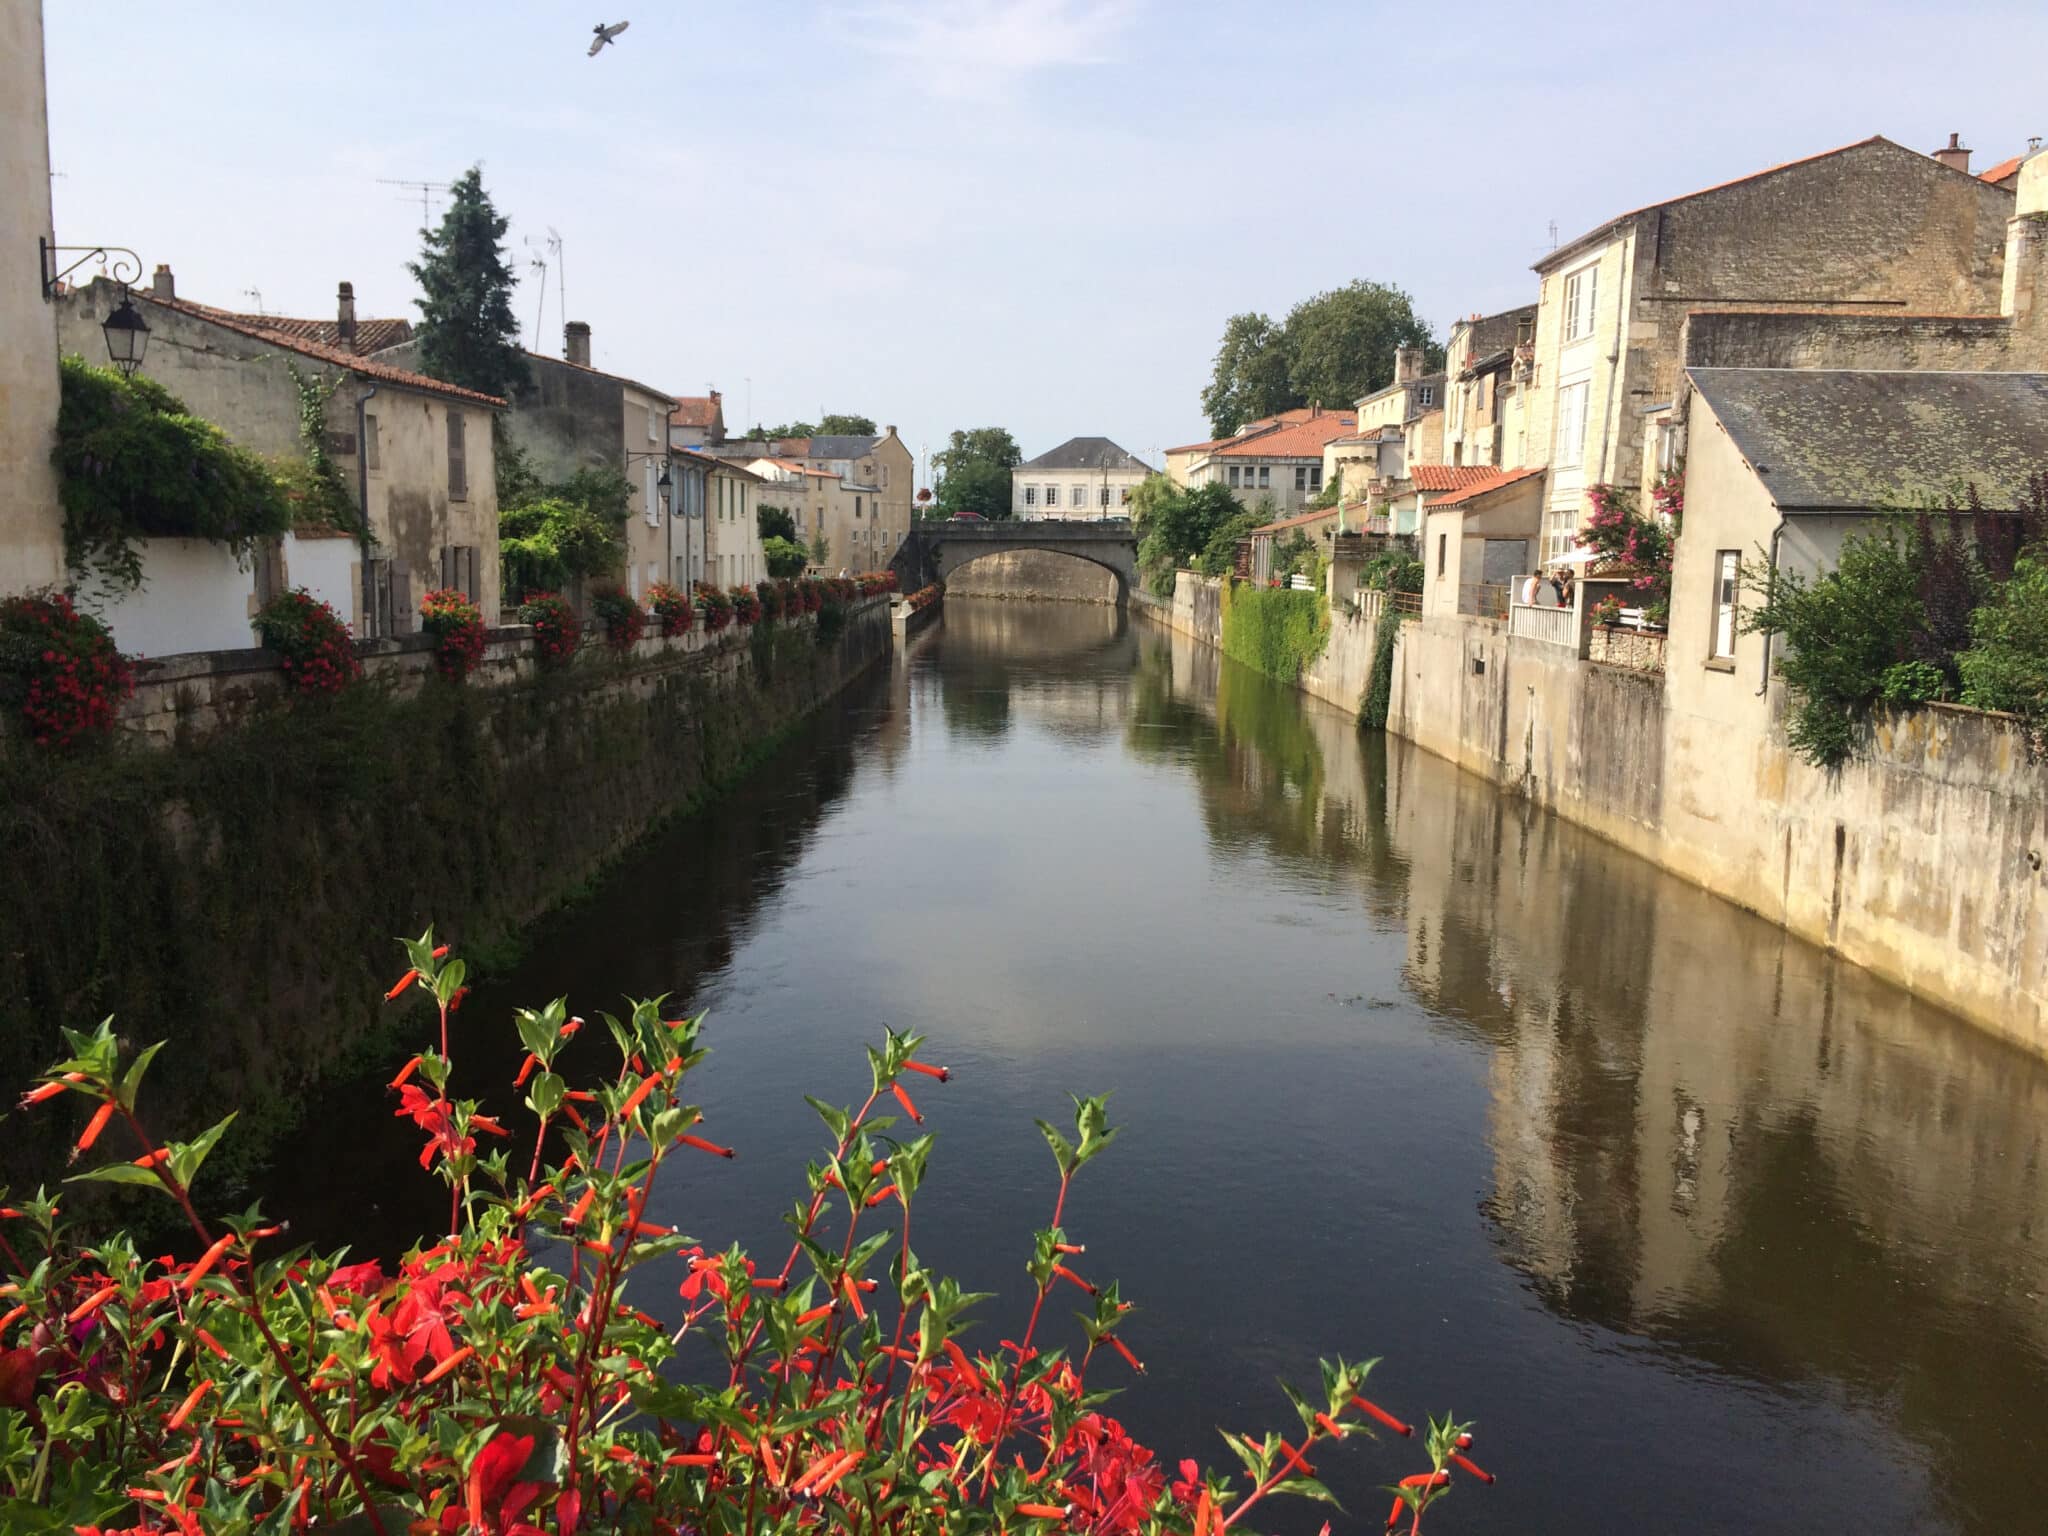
x=888 y=431
x=345 y=315
x=1953 y=155
x=161 y=284
x=576 y=342
x=1407 y=364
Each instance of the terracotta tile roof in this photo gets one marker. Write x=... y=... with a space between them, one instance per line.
x=1495 y=480
x=371 y=335
x=2000 y=171
x=1599 y=230
x=697 y=410
x=336 y=357
x=1263 y=424
x=1449 y=477
x=1297 y=440
x=1299 y=520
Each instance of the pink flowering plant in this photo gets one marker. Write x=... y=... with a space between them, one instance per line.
x=1642 y=546
x=318 y=655
x=457 y=625
x=60 y=670
x=560 y=1361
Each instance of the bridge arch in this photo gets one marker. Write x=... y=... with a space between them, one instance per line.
x=932 y=551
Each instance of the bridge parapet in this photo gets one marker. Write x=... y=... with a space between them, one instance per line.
x=933 y=550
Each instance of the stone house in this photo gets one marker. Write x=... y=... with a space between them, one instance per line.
x=1318 y=526
x=1277 y=469
x=1866 y=228
x=1179 y=462
x=1412 y=395
x=732 y=531
x=31 y=523
x=823 y=503
x=698 y=421
x=1476 y=539
x=1083 y=477
x=1784 y=464
x=414 y=452
x=1480 y=384
x=864 y=525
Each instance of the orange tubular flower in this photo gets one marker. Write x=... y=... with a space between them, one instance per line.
x=184 y=1412
x=1467 y=1463
x=1062 y=1272
x=94 y=1126
x=1130 y=1359
x=207 y=1260
x=705 y=1146
x=51 y=1090
x=405 y=1073
x=400 y=985
x=211 y=1343
x=903 y=1098
x=805 y=1319
x=943 y=1074
x=1330 y=1426
x=92 y=1303
x=440 y=951
x=1383 y=1416
x=637 y=1096
x=691 y=1459
x=881 y=1194
x=9 y=1319
x=1042 y=1511
x=448 y=1365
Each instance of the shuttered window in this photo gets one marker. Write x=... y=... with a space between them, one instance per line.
x=458 y=455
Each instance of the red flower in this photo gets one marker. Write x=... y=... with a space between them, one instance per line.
x=495 y=1496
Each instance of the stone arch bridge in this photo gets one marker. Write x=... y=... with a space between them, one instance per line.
x=934 y=550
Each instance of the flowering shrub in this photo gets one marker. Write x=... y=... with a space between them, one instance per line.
x=673 y=607
x=624 y=620
x=746 y=605
x=314 y=642
x=457 y=625
x=60 y=669
x=1667 y=497
x=556 y=628
x=810 y=594
x=1607 y=610
x=769 y=595
x=1641 y=545
x=924 y=597
x=875 y=583
x=717 y=608
x=499 y=1379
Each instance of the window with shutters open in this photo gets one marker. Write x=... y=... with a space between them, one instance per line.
x=1727 y=568
x=1581 y=288
x=1571 y=425
x=650 y=495
x=458 y=455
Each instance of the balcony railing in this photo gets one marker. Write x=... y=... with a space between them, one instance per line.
x=1552 y=626
x=1406 y=602
x=1483 y=599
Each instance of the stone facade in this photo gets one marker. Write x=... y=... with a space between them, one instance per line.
x=1871 y=227
x=1034 y=576
x=732 y=531
x=430 y=474
x=31 y=525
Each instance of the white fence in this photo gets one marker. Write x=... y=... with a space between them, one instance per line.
x=1552 y=626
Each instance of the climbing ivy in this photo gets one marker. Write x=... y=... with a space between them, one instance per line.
x=318 y=493
x=1276 y=631
x=1379 y=678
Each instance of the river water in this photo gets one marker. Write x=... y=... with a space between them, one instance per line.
x=1706 y=1230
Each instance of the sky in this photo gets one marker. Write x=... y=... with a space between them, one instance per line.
x=1034 y=214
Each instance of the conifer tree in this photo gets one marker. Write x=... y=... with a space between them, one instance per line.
x=467 y=333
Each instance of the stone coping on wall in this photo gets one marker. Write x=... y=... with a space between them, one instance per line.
x=198 y=692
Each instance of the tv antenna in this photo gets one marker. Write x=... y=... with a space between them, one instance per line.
x=1553 y=234
x=257 y=295
x=538 y=263
x=554 y=244
x=425 y=191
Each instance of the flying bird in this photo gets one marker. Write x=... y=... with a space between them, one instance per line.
x=605 y=34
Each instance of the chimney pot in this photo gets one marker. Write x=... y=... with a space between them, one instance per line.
x=345 y=315
x=576 y=342
x=1954 y=155
x=161 y=284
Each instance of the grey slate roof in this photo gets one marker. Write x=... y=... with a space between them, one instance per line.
x=842 y=447
x=1086 y=453
x=1824 y=440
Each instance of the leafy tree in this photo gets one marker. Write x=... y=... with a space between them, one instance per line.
x=1332 y=349
x=821 y=549
x=1340 y=345
x=787 y=429
x=1250 y=378
x=978 y=485
x=1175 y=526
x=835 y=425
x=986 y=445
x=467 y=332
x=776 y=523
x=785 y=557
x=1219 y=554
x=552 y=534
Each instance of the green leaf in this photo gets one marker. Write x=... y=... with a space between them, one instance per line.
x=1062 y=1151
x=132 y=1081
x=118 y=1173
x=837 y=1121
x=186 y=1157
x=449 y=982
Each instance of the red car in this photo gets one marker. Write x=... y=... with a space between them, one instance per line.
x=966 y=517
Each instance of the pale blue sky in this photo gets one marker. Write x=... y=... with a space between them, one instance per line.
x=1032 y=213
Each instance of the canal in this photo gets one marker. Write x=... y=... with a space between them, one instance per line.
x=1706 y=1230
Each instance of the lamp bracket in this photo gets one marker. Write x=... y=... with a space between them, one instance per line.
x=123 y=259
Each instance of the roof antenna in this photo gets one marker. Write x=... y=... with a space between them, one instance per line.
x=1553 y=234
x=257 y=295
x=537 y=262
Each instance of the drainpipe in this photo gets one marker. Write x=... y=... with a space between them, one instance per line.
x=363 y=499
x=1763 y=685
x=1614 y=356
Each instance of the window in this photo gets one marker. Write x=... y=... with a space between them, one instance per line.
x=1580 y=291
x=1105 y=496
x=650 y=495
x=1030 y=495
x=1265 y=477
x=1443 y=541
x=856 y=508
x=1315 y=477
x=1571 y=425
x=1426 y=395
x=885 y=477
x=370 y=444
x=458 y=463
x=1233 y=477
x=1052 y=495
x=1125 y=498
x=1301 y=477
x=653 y=425
x=1079 y=499
x=1727 y=568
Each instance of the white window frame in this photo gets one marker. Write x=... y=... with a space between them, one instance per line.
x=1233 y=478
x=1030 y=495
x=1079 y=500
x=1581 y=298
x=1052 y=496
x=650 y=496
x=1265 y=477
x=1727 y=603
x=1569 y=448
x=1426 y=395
x=653 y=425
x=1300 y=477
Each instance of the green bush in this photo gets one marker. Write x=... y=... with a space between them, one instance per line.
x=1379 y=681
x=2007 y=667
x=1274 y=630
x=785 y=557
x=133 y=463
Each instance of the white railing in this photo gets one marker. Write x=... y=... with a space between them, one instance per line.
x=1552 y=626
